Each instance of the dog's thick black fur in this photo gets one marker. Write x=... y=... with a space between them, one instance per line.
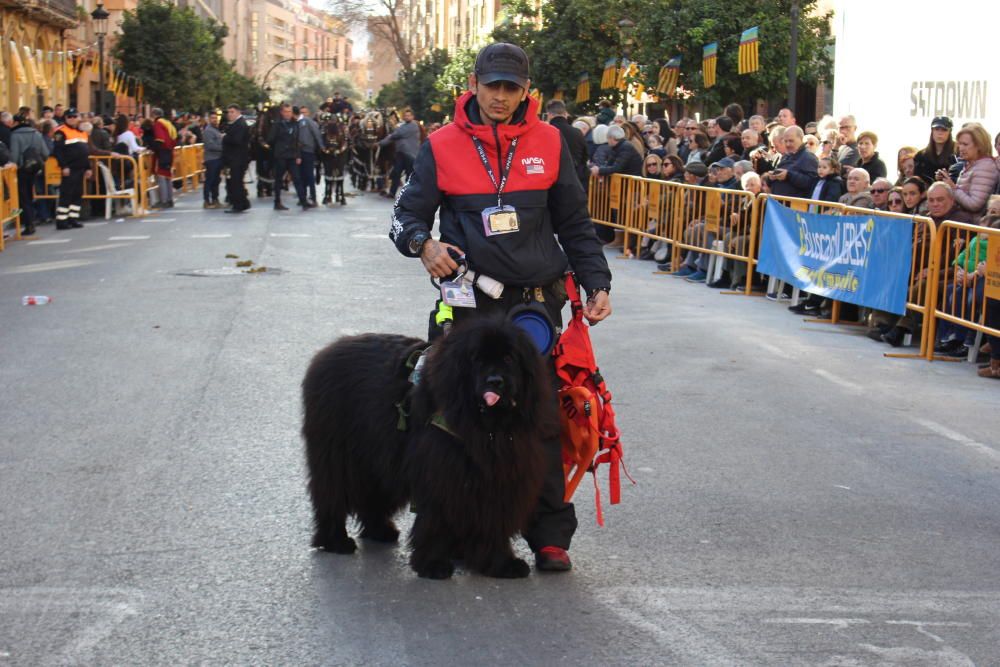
x=474 y=474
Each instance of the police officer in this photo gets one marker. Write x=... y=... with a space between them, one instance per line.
x=506 y=188
x=72 y=151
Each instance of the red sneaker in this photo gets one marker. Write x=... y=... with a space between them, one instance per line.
x=552 y=559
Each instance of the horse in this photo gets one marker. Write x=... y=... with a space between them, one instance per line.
x=367 y=159
x=333 y=158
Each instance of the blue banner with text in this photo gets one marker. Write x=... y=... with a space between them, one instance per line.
x=859 y=259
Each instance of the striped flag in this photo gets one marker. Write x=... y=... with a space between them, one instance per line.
x=749 y=51
x=708 y=61
x=610 y=72
x=536 y=95
x=583 y=88
x=669 y=77
x=622 y=72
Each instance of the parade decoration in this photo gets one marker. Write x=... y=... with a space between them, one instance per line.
x=669 y=77
x=709 y=60
x=536 y=95
x=583 y=88
x=749 y=51
x=20 y=76
x=610 y=70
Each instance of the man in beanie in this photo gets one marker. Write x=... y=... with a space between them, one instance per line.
x=506 y=188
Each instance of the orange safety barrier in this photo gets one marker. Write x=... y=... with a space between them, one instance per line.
x=146 y=181
x=113 y=177
x=599 y=198
x=10 y=209
x=188 y=165
x=967 y=279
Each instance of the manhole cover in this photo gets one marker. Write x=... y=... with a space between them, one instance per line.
x=227 y=271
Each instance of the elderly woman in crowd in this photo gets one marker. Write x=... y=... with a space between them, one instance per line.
x=857 y=189
x=652 y=167
x=738 y=236
x=938 y=154
x=602 y=151
x=979 y=177
x=869 y=160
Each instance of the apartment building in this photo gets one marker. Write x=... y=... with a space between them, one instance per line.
x=32 y=41
x=449 y=24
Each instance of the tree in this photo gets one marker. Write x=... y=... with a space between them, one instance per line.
x=577 y=36
x=391 y=95
x=312 y=87
x=454 y=78
x=686 y=26
x=386 y=24
x=178 y=56
x=418 y=86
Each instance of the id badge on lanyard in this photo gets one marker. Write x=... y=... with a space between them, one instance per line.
x=499 y=219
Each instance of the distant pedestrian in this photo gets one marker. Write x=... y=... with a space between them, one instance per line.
x=235 y=158
x=406 y=138
x=310 y=143
x=286 y=151
x=164 y=140
x=212 y=141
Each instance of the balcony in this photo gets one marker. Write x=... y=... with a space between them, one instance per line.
x=61 y=13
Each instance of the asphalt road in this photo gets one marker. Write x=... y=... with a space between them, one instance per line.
x=800 y=500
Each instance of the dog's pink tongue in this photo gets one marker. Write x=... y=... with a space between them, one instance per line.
x=491 y=398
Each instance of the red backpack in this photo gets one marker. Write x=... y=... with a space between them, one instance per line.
x=589 y=434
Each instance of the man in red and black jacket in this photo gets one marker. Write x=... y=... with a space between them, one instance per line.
x=506 y=188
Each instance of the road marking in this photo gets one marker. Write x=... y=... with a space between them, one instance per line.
x=846 y=384
x=211 y=236
x=379 y=237
x=955 y=436
x=839 y=623
x=128 y=238
x=336 y=260
x=96 y=224
x=841 y=486
x=774 y=349
x=50 y=266
x=49 y=241
x=92 y=248
x=163 y=219
x=287 y=235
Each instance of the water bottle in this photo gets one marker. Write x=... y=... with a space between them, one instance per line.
x=34 y=300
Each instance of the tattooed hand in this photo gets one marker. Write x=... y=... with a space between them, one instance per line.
x=436 y=259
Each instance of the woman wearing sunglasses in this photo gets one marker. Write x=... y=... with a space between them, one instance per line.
x=896 y=204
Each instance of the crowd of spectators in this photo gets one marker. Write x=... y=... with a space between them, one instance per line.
x=955 y=176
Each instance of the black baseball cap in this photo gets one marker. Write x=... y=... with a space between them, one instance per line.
x=71 y=113
x=942 y=121
x=502 y=62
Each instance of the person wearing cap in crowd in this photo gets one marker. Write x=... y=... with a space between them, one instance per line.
x=939 y=152
x=511 y=202
x=72 y=151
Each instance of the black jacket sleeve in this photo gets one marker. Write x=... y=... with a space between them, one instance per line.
x=574 y=228
x=620 y=160
x=417 y=201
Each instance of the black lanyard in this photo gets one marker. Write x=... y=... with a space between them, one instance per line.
x=489 y=170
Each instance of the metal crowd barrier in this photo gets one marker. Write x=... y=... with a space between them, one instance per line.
x=10 y=209
x=727 y=225
x=188 y=165
x=113 y=177
x=967 y=282
x=146 y=182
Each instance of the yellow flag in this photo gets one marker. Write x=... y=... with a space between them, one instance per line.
x=749 y=60
x=37 y=69
x=20 y=76
x=583 y=88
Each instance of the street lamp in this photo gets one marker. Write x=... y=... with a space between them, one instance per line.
x=100 y=17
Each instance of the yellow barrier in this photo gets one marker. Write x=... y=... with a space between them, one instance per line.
x=968 y=277
x=188 y=163
x=110 y=178
x=146 y=182
x=10 y=209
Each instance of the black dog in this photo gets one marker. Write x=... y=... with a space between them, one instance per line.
x=470 y=458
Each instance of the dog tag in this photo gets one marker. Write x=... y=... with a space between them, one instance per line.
x=458 y=294
x=500 y=220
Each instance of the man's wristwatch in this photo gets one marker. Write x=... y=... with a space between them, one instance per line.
x=417 y=242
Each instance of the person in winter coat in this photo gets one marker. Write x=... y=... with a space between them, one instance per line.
x=212 y=140
x=796 y=174
x=283 y=141
x=559 y=119
x=406 y=137
x=625 y=159
x=870 y=161
x=830 y=186
x=979 y=175
x=939 y=152
x=28 y=151
x=164 y=139
x=510 y=201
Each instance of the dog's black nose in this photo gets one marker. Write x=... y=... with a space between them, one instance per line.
x=494 y=382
